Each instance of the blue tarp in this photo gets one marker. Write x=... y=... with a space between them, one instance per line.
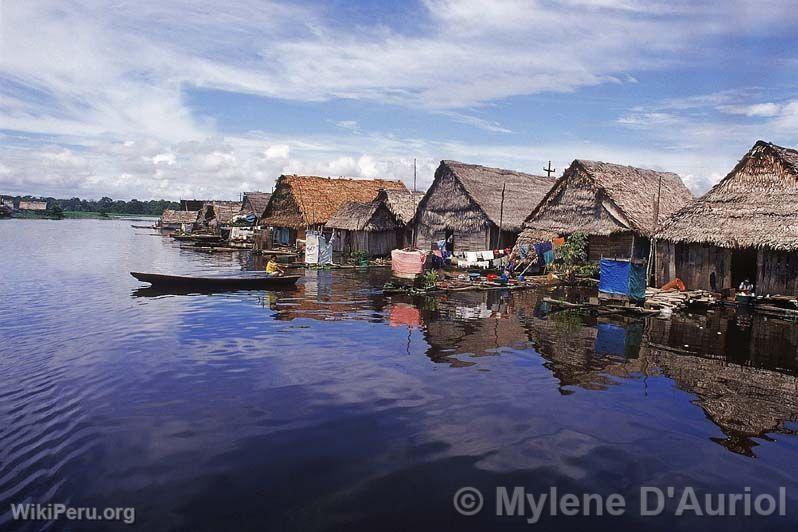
x=623 y=277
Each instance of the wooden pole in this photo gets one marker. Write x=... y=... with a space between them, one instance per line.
x=501 y=217
x=415 y=205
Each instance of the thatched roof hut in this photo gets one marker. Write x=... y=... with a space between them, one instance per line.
x=744 y=227
x=390 y=210
x=173 y=217
x=466 y=200
x=255 y=203
x=299 y=202
x=375 y=227
x=221 y=211
x=600 y=198
x=753 y=206
x=617 y=206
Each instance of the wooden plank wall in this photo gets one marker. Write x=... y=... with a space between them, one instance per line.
x=693 y=264
x=472 y=241
x=618 y=245
x=777 y=272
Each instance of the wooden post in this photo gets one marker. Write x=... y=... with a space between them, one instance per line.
x=501 y=216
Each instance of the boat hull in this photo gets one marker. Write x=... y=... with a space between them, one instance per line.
x=182 y=282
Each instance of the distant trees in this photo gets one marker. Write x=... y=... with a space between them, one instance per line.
x=105 y=205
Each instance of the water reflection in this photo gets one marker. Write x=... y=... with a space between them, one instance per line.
x=740 y=370
x=332 y=406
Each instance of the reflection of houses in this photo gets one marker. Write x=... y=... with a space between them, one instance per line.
x=173 y=220
x=32 y=206
x=331 y=296
x=299 y=203
x=744 y=401
x=579 y=351
x=616 y=206
x=376 y=227
x=475 y=207
x=471 y=324
x=745 y=226
x=255 y=203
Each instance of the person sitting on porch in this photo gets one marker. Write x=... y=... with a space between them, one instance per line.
x=746 y=287
x=272 y=268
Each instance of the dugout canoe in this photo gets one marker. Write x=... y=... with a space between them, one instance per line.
x=238 y=282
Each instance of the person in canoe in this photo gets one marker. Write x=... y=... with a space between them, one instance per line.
x=273 y=268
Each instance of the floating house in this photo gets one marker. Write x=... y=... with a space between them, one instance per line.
x=32 y=206
x=255 y=203
x=214 y=214
x=476 y=208
x=617 y=206
x=376 y=227
x=173 y=220
x=300 y=203
x=745 y=227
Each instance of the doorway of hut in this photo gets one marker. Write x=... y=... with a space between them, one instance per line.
x=449 y=238
x=743 y=266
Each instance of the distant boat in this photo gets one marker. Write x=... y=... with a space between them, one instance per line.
x=238 y=282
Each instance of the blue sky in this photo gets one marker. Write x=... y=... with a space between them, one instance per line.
x=174 y=99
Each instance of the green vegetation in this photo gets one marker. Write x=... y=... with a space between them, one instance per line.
x=430 y=278
x=574 y=258
x=98 y=208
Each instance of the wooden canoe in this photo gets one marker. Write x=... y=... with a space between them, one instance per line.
x=240 y=282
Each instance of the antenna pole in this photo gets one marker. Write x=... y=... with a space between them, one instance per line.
x=549 y=170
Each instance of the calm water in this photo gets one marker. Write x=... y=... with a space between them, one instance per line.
x=333 y=407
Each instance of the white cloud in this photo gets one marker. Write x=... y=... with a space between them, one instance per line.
x=103 y=85
x=756 y=109
x=277 y=151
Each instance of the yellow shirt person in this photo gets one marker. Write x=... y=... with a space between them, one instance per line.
x=272 y=268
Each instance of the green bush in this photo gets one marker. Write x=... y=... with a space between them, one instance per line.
x=574 y=251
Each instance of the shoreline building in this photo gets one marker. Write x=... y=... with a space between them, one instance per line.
x=302 y=203
x=618 y=207
x=476 y=208
x=377 y=227
x=745 y=227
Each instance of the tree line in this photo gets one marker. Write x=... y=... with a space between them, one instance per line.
x=103 y=205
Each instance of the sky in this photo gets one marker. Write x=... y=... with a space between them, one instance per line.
x=174 y=99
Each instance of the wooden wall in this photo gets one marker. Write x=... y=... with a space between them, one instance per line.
x=777 y=272
x=478 y=240
x=693 y=264
x=618 y=245
x=375 y=243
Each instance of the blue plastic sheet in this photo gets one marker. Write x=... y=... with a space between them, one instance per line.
x=623 y=277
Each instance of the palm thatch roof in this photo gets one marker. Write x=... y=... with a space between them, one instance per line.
x=402 y=203
x=304 y=201
x=600 y=198
x=390 y=210
x=255 y=202
x=171 y=216
x=469 y=197
x=753 y=206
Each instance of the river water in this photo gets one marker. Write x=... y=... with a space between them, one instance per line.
x=332 y=407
